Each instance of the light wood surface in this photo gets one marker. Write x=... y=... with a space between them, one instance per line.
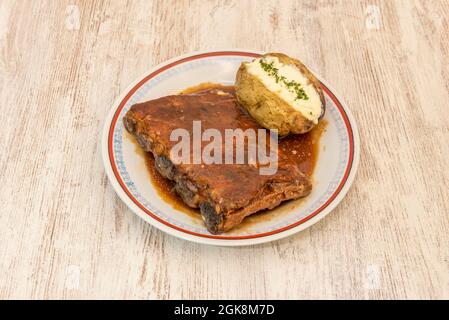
x=65 y=234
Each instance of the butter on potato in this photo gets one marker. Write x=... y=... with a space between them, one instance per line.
x=280 y=93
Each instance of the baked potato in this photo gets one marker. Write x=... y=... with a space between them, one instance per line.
x=279 y=92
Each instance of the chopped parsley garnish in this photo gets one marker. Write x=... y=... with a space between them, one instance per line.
x=292 y=85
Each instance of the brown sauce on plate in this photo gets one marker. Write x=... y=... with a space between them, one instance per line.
x=164 y=188
x=303 y=148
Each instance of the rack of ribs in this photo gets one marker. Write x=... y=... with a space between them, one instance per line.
x=224 y=193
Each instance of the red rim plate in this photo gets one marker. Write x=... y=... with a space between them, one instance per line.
x=223 y=237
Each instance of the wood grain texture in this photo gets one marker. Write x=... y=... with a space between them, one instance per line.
x=65 y=234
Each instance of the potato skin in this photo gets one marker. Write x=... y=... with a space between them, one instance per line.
x=268 y=109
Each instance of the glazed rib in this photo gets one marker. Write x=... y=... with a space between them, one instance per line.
x=224 y=193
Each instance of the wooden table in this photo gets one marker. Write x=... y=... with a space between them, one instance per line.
x=65 y=234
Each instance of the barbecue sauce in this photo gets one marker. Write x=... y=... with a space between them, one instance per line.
x=303 y=149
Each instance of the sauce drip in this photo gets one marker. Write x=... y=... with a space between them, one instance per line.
x=164 y=188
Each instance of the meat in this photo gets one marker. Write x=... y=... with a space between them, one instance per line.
x=224 y=193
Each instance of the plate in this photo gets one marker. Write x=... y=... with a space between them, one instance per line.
x=126 y=168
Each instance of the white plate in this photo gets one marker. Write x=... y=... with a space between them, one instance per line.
x=125 y=166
